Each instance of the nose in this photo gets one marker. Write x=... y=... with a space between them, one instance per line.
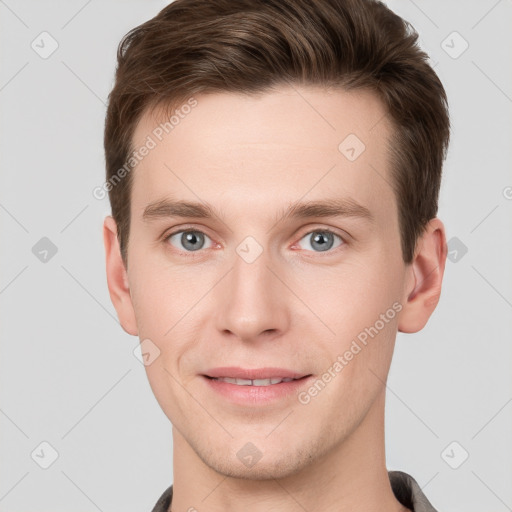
x=252 y=303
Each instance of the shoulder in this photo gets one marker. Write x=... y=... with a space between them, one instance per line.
x=164 y=502
x=408 y=492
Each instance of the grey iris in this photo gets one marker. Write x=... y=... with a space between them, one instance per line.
x=189 y=238
x=320 y=238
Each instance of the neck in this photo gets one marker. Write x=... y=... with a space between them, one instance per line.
x=352 y=477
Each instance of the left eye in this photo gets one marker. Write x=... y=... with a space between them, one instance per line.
x=191 y=240
x=322 y=240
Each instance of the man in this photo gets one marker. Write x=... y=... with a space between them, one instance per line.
x=273 y=168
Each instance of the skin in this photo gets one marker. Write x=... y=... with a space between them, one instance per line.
x=295 y=306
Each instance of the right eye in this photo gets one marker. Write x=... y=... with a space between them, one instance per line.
x=191 y=240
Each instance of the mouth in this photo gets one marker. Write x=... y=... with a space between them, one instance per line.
x=250 y=387
x=255 y=382
x=254 y=377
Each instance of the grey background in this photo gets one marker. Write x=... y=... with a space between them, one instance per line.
x=69 y=376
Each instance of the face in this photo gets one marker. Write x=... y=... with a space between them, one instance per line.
x=256 y=287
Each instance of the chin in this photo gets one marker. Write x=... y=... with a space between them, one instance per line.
x=268 y=467
x=269 y=470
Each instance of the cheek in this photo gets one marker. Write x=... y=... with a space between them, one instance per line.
x=354 y=295
x=162 y=295
x=356 y=373
x=169 y=311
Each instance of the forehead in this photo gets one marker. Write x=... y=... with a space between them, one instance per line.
x=266 y=148
x=233 y=118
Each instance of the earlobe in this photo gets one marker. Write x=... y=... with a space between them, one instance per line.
x=425 y=278
x=117 y=278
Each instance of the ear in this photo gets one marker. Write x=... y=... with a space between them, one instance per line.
x=117 y=278
x=425 y=276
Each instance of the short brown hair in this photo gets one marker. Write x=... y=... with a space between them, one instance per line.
x=249 y=46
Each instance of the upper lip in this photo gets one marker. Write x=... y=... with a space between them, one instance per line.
x=252 y=374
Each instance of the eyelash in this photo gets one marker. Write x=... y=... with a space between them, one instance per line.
x=166 y=239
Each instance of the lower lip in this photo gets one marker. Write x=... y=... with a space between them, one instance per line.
x=253 y=395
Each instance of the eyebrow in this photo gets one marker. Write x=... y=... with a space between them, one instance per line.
x=166 y=208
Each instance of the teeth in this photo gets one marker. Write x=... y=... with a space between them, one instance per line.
x=254 y=382
x=264 y=382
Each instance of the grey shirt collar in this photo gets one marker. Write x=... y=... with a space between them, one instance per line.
x=406 y=490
